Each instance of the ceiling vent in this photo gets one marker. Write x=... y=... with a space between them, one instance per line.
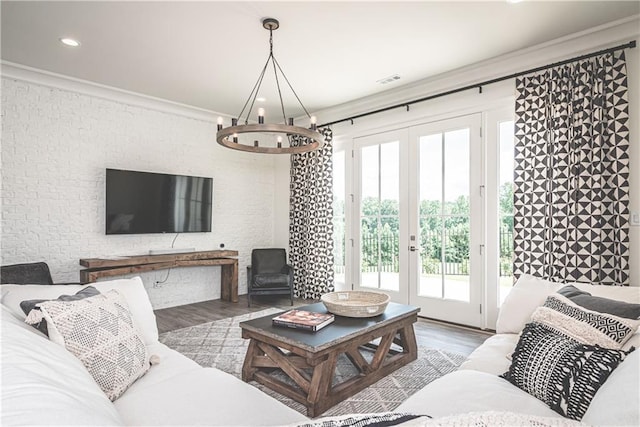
x=389 y=79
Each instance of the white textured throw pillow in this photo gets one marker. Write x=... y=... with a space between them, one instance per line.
x=562 y=315
x=99 y=331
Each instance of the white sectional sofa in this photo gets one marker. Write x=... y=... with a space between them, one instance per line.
x=43 y=384
x=476 y=386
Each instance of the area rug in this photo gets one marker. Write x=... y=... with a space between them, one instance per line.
x=219 y=344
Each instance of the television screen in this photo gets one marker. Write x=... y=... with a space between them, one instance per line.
x=143 y=202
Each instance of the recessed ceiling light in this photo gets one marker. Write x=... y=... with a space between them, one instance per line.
x=69 y=42
x=261 y=99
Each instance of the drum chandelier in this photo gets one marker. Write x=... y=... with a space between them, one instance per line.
x=306 y=139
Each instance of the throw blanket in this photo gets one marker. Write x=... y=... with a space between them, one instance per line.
x=475 y=419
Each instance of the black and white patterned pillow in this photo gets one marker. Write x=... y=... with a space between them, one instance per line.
x=560 y=371
x=98 y=330
x=562 y=315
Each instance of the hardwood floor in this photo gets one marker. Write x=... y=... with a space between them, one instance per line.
x=429 y=333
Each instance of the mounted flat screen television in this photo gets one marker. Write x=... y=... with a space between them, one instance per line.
x=144 y=202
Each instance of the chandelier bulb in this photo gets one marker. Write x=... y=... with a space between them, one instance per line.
x=220 y=122
x=235 y=138
x=261 y=116
x=313 y=123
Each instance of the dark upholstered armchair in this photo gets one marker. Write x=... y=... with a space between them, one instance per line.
x=34 y=273
x=269 y=274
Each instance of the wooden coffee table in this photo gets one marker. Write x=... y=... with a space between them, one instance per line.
x=308 y=359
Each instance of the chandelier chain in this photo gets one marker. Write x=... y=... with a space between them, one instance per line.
x=270 y=42
x=291 y=87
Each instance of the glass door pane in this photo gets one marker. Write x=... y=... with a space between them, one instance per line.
x=430 y=220
x=444 y=215
x=379 y=216
x=456 y=215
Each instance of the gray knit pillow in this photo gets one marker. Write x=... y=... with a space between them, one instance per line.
x=602 y=305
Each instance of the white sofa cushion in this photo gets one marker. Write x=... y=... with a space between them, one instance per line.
x=43 y=384
x=617 y=401
x=171 y=364
x=493 y=356
x=204 y=396
x=472 y=391
x=132 y=290
x=527 y=294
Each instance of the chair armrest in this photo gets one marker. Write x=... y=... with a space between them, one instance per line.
x=287 y=269
x=70 y=283
x=249 y=276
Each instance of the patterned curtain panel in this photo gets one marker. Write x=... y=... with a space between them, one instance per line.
x=571 y=184
x=311 y=220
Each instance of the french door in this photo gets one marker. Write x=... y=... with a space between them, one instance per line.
x=418 y=223
x=445 y=220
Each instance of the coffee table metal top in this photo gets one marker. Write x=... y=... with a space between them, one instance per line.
x=341 y=330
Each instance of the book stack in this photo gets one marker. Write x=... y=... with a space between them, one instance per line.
x=302 y=319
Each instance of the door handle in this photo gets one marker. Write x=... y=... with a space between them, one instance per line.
x=413 y=248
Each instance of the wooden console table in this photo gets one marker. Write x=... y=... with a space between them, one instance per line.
x=97 y=268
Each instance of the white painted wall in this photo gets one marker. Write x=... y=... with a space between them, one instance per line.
x=471 y=101
x=56 y=145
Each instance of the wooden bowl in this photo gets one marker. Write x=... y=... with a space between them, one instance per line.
x=356 y=303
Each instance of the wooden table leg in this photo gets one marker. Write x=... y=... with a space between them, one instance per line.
x=408 y=341
x=320 y=386
x=247 y=367
x=229 y=282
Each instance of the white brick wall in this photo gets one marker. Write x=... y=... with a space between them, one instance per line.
x=56 y=145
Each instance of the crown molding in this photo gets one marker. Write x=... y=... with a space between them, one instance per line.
x=14 y=71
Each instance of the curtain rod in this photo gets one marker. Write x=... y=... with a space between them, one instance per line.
x=630 y=45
